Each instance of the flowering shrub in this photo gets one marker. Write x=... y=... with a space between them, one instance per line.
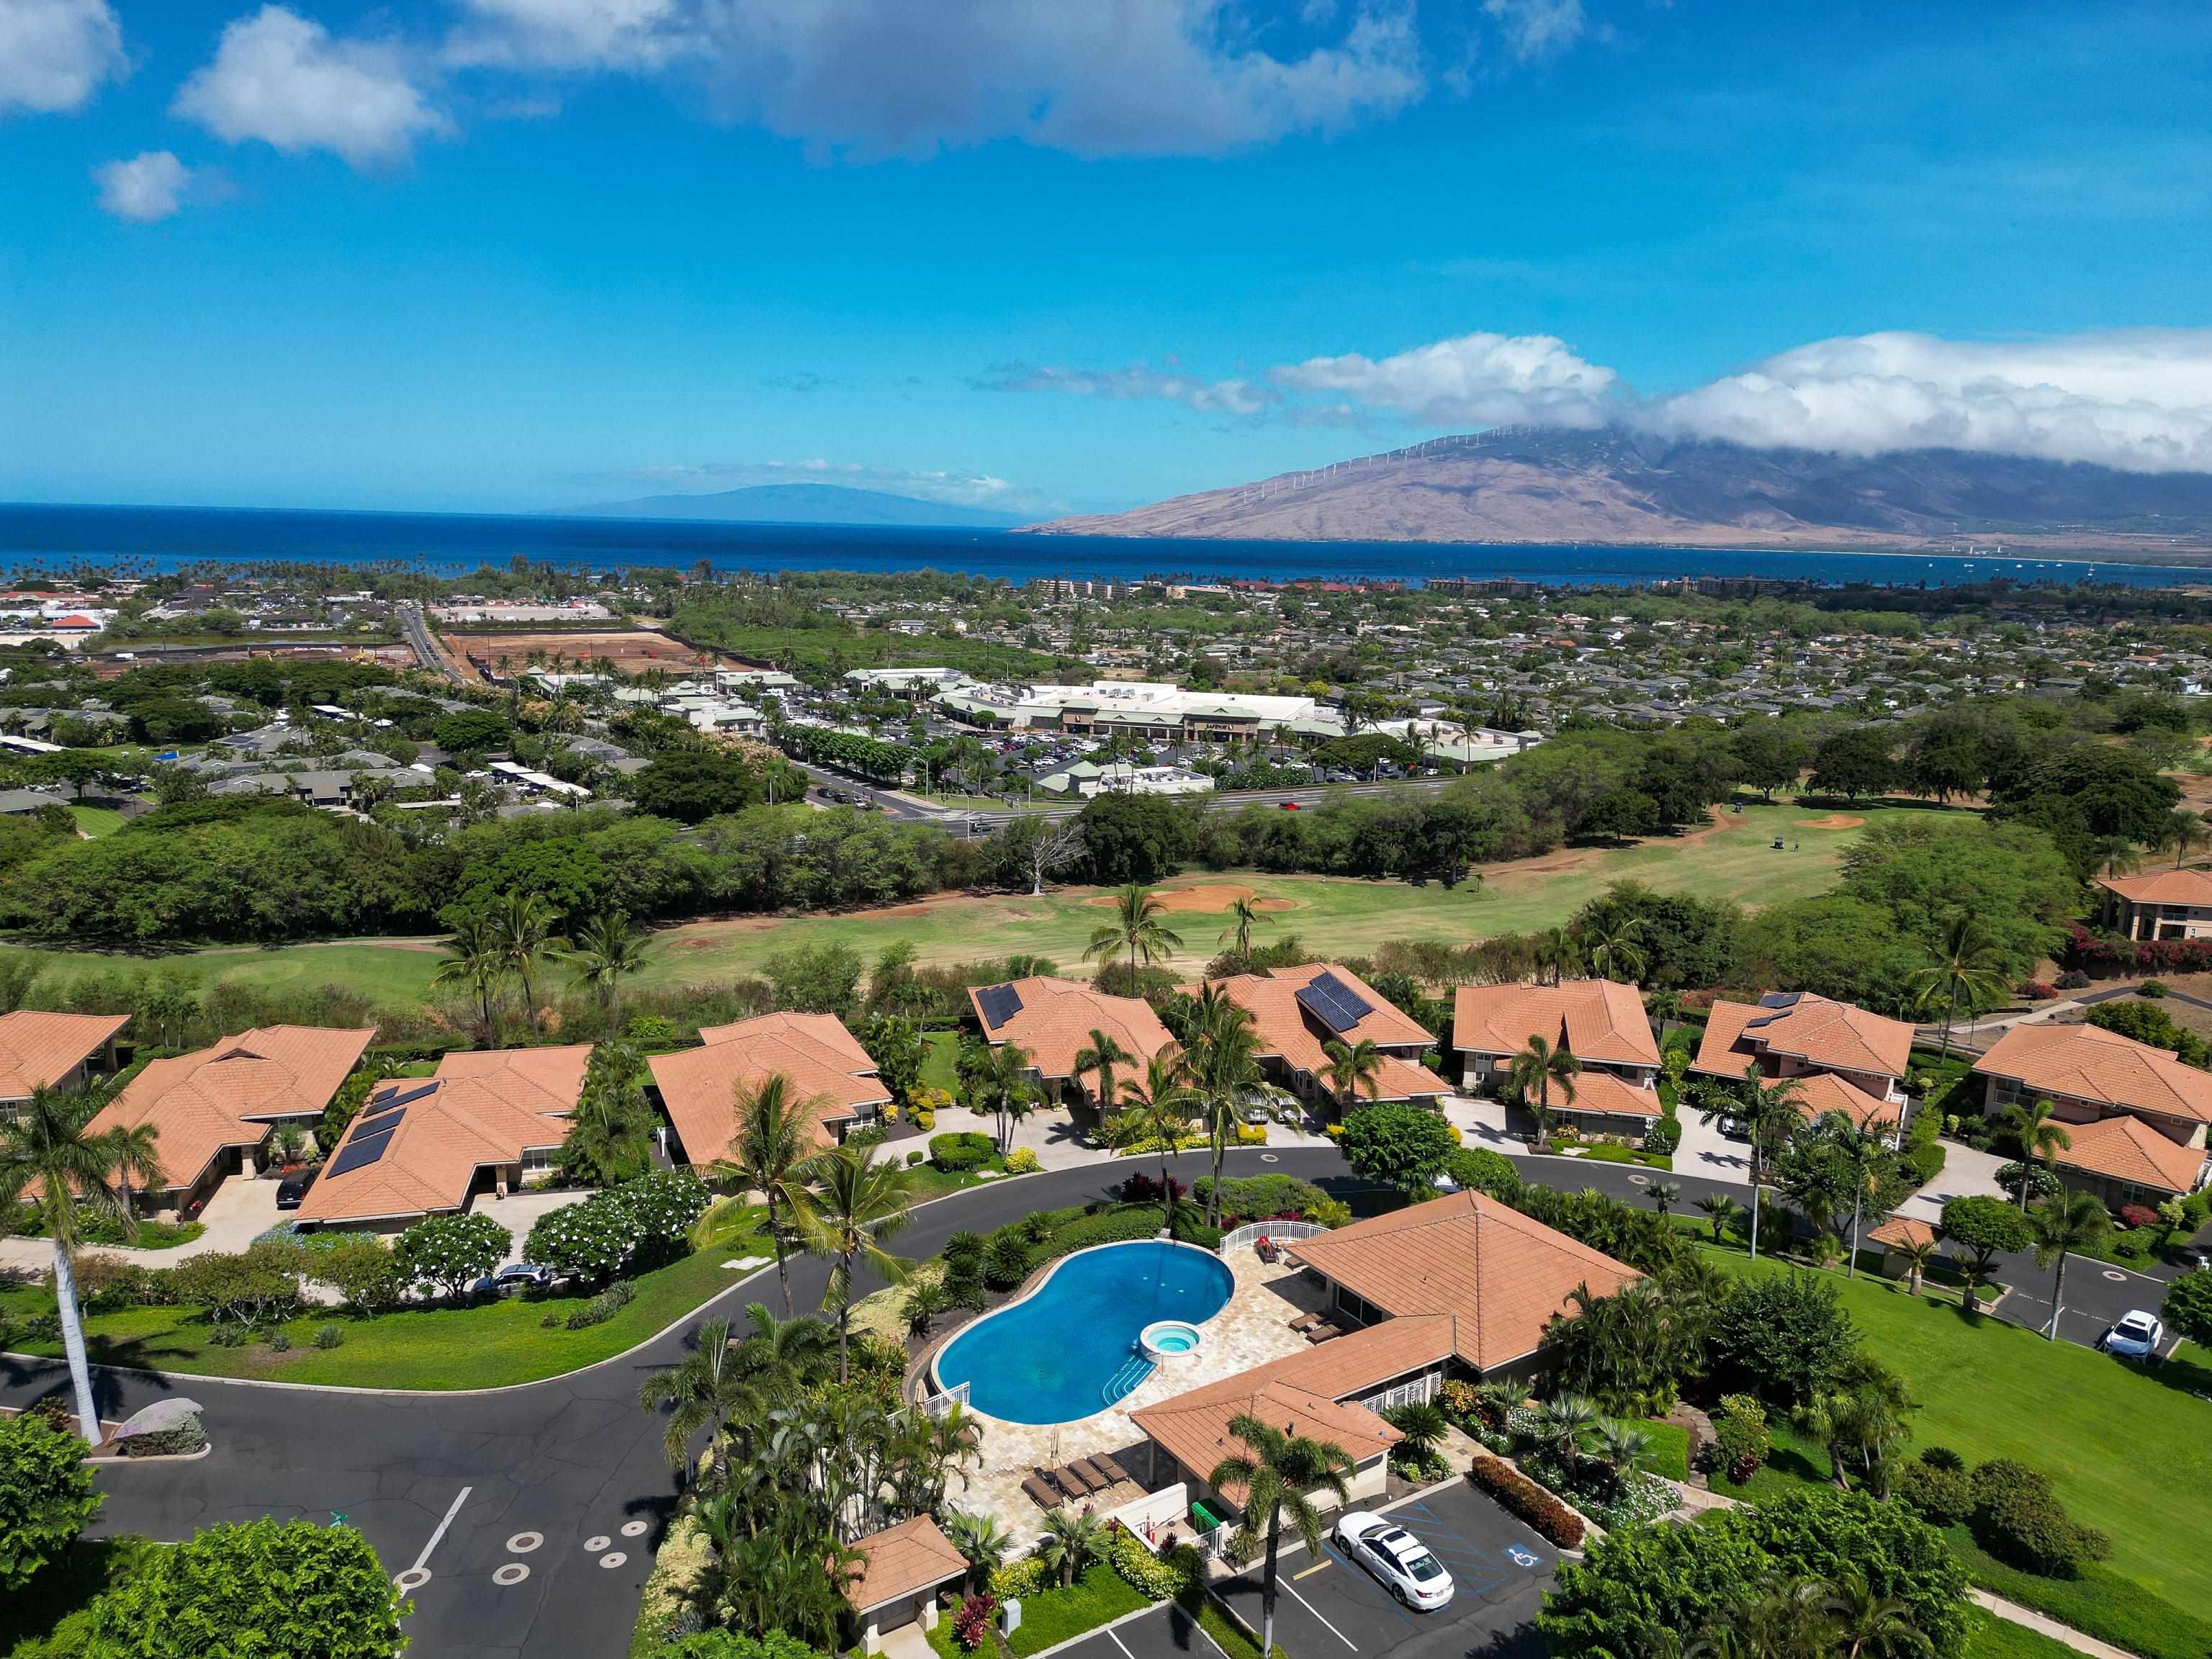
x=1642 y=1496
x=1251 y=1134
x=592 y=1241
x=1023 y=1160
x=1458 y=1399
x=2139 y=1215
x=973 y=1622
x=1154 y=1577
x=2036 y=991
x=1538 y=1507
x=1018 y=1579
x=1141 y=1189
x=924 y=1119
x=2108 y=953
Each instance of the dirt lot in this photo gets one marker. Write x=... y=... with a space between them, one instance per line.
x=633 y=651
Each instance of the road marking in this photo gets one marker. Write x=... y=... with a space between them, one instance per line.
x=596 y=1542
x=523 y=1542
x=1118 y=1643
x=612 y=1560
x=1316 y=1613
x=452 y=1510
x=634 y=1529
x=512 y=1573
x=413 y=1579
x=1318 y=1567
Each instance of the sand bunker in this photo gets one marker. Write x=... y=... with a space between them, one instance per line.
x=1208 y=898
x=1834 y=821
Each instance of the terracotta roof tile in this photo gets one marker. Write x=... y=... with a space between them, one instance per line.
x=1601 y=1092
x=902 y=1560
x=1194 y=1428
x=1599 y=1019
x=2162 y=887
x=820 y=1057
x=1817 y=1030
x=2088 y=1062
x=1822 y=1092
x=38 y=1049
x=1290 y=1032
x=1904 y=1230
x=1057 y=1016
x=2123 y=1148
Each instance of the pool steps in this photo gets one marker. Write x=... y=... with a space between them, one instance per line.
x=1126 y=1380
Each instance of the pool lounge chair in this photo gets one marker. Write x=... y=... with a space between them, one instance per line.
x=1071 y=1480
x=1104 y=1463
x=1322 y=1333
x=1039 y=1492
x=1305 y=1322
x=1090 y=1470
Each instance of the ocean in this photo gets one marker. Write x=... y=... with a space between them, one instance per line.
x=36 y=538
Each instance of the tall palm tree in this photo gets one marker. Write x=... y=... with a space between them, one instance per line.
x=47 y=1144
x=473 y=958
x=524 y=930
x=607 y=951
x=2186 y=832
x=1767 y=1111
x=1002 y=1085
x=852 y=1205
x=1352 y=1068
x=707 y=1388
x=1103 y=1055
x=1560 y=952
x=1278 y=1472
x=2036 y=1126
x=1137 y=926
x=2070 y=1221
x=1964 y=963
x=132 y=1151
x=1157 y=1110
x=773 y=1138
x=1225 y=1071
x=1535 y=1070
x=1244 y=914
x=1613 y=953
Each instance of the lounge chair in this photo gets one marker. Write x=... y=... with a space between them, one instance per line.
x=1071 y=1481
x=1089 y=1470
x=1104 y=1463
x=1305 y=1322
x=1039 y=1492
x=1322 y=1333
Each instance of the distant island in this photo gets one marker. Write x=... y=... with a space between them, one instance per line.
x=800 y=503
x=1617 y=487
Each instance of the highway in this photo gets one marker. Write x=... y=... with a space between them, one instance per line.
x=901 y=804
x=417 y=632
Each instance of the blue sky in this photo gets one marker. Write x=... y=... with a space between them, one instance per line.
x=514 y=253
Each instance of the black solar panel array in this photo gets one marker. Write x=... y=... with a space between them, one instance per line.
x=385 y=1100
x=1338 y=1006
x=366 y=1146
x=999 y=1003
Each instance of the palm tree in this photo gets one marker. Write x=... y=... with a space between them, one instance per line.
x=707 y=1388
x=2186 y=832
x=2036 y=1126
x=132 y=1151
x=1137 y=924
x=1617 y=1445
x=1535 y=1070
x=1352 y=1068
x=1919 y=1255
x=1870 y=1163
x=852 y=1206
x=1722 y=1211
x=1870 y=1626
x=1072 y=1542
x=1563 y=1423
x=1560 y=952
x=1278 y=1472
x=768 y=1153
x=983 y=1540
x=1224 y=1068
x=1244 y=914
x=1767 y=1111
x=47 y=1144
x=1421 y=1425
x=1664 y=1195
x=523 y=930
x=473 y=958
x=1003 y=1085
x=1613 y=953
x=607 y=951
x=1102 y=1056
x=1158 y=1109
x=1964 y=963
x=2070 y=1221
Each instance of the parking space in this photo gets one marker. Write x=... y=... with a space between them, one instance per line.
x=1330 y=1608
x=1166 y=1632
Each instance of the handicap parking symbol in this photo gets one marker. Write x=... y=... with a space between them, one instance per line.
x=1520 y=1557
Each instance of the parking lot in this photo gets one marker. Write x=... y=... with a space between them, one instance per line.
x=1329 y=1607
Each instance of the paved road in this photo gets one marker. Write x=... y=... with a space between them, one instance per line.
x=451 y=1482
x=417 y=632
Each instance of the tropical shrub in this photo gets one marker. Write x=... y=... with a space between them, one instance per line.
x=1783 y=1338
x=1006 y=1262
x=1740 y=1437
x=258 y=1283
x=362 y=1271
x=592 y=1241
x=604 y=1306
x=2018 y=1517
x=1255 y=1198
x=46 y=1495
x=1155 y=1578
x=1940 y=1495
x=1018 y=1580
x=972 y=1623
x=1663 y=1137
x=1532 y=1503
x=964 y=1150
x=450 y=1252
x=1398 y=1144
x=1478 y=1168
x=1023 y=1160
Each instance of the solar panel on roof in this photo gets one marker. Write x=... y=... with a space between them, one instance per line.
x=363 y=1149
x=381 y=1103
x=998 y=1003
x=1338 y=1006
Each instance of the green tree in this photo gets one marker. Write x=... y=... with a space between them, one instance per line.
x=1277 y=1474
x=610 y=1135
x=1157 y=1111
x=1766 y=1112
x=1353 y=1068
x=1979 y=1229
x=1854 y=763
x=2035 y=1128
x=707 y=1388
x=473 y=731
x=1244 y=914
x=451 y=1252
x=853 y=1206
x=2072 y=1223
x=1964 y=963
x=693 y=785
x=772 y=1139
x=607 y=951
x=2188 y=1306
x=1786 y=1336
x=523 y=935
x=46 y=1497
x=1398 y=1144
x=1225 y=1073
x=1534 y=1070
x=1102 y=1056
x=1136 y=927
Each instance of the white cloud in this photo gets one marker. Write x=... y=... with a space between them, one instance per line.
x=571 y=34
x=284 y=79
x=145 y=188
x=1537 y=28
x=2140 y=400
x=55 y=53
x=1232 y=396
x=956 y=488
x=1477 y=380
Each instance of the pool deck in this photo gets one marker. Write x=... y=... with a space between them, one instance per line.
x=1251 y=1329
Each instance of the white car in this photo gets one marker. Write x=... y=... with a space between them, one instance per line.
x=2138 y=1336
x=1399 y=1561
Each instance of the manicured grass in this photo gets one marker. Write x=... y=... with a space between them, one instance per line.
x=2129 y=1449
x=97 y=821
x=1668 y=1454
x=940 y=1064
x=2100 y=1604
x=1793 y=1463
x=1055 y=1616
x=1989 y=1636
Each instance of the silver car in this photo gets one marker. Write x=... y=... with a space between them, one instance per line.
x=1399 y=1561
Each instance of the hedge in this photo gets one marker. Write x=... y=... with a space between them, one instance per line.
x=966 y=1150
x=1531 y=1502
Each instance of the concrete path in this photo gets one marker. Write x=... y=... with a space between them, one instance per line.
x=1966 y=1173
x=243 y=1208
x=2013 y=1612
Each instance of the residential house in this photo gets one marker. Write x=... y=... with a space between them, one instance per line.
x=215 y=1111
x=1845 y=1059
x=1052 y=1020
x=53 y=1051
x=823 y=1065
x=2167 y=904
x=482 y=1123
x=901 y=1570
x=1297 y=1012
x=2135 y=1115
x=1601 y=1022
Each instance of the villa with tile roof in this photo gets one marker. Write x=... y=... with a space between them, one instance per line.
x=2164 y=904
x=822 y=1061
x=1600 y=1021
x=1052 y=1019
x=1845 y=1059
x=1297 y=1012
x=2137 y=1115
x=54 y=1051
x=478 y=1126
x=213 y=1109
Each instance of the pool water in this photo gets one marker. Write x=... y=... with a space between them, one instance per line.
x=1069 y=1349
x=1175 y=1342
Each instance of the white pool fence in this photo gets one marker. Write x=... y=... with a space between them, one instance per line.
x=1282 y=1232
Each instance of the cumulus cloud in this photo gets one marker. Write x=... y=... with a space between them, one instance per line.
x=572 y=34
x=1477 y=380
x=2140 y=400
x=1231 y=397
x=55 y=53
x=287 y=81
x=145 y=188
x=1537 y=28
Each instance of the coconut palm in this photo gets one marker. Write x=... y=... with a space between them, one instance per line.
x=2036 y=1126
x=1964 y=963
x=1224 y=1069
x=1353 y=1068
x=48 y=1146
x=1613 y=953
x=132 y=1151
x=2186 y=833
x=1137 y=927
x=607 y=951
x=1158 y=1111
x=850 y=1207
x=707 y=1388
x=1278 y=1474
x=774 y=1138
x=1559 y=952
x=1535 y=1070
x=1002 y=1086
x=1102 y=1056
x=525 y=934
x=1722 y=1211
x=1766 y=1111
x=1244 y=914
x=2072 y=1222
x=473 y=958
x=1073 y=1541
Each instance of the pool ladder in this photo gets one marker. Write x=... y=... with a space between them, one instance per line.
x=1126 y=1380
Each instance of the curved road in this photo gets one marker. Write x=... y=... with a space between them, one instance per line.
x=575 y=1461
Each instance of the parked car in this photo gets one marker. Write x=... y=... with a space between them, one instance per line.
x=2136 y=1336
x=1401 y=1564
x=292 y=1190
x=1290 y=806
x=514 y=1278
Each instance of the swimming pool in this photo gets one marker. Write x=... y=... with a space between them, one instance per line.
x=1069 y=1350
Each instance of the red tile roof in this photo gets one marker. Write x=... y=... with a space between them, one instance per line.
x=1057 y=1016
x=1599 y=1019
x=1601 y=1092
x=1831 y=1036
x=821 y=1060
x=1289 y=1031
x=2123 y=1148
x=1903 y=1230
x=38 y=1049
x=901 y=1561
x=2162 y=887
x=2088 y=1062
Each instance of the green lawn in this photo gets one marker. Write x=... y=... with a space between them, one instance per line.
x=97 y=821
x=1989 y=1636
x=940 y=1066
x=2129 y=1450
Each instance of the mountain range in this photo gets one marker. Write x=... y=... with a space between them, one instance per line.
x=800 y=503
x=1617 y=486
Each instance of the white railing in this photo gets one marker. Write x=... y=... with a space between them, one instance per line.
x=1280 y=1231
x=937 y=1404
x=1419 y=1391
x=1211 y=1544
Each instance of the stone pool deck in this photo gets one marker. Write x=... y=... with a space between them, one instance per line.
x=1253 y=1329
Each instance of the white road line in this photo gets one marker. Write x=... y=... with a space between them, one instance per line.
x=452 y=1510
x=1120 y=1644
x=1316 y=1613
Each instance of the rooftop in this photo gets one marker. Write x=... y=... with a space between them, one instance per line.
x=38 y=1049
x=900 y=1561
x=816 y=1055
x=1598 y=1019
x=2088 y=1062
x=1817 y=1030
x=1053 y=1018
x=2127 y=1149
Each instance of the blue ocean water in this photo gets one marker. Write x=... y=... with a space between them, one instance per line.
x=154 y=539
x=1064 y=1352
